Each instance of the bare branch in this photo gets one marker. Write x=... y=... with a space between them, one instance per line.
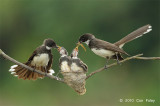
x=129 y=58
x=29 y=68
x=61 y=80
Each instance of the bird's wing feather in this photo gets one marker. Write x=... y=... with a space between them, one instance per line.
x=84 y=66
x=32 y=56
x=50 y=62
x=106 y=45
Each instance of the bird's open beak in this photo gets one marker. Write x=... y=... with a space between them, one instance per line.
x=76 y=49
x=80 y=44
x=58 y=48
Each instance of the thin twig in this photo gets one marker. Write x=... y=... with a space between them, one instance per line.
x=129 y=58
x=29 y=68
x=148 y=58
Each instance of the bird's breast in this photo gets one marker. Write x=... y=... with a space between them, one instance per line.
x=75 y=67
x=65 y=67
x=102 y=52
x=40 y=60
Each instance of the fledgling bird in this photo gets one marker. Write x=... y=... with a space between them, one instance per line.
x=77 y=64
x=41 y=59
x=79 y=70
x=64 y=61
x=109 y=50
x=73 y=70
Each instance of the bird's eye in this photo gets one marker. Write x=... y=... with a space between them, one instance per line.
x=83 y=39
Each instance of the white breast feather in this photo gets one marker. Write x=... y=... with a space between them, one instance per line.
x=40 y=60
x=75 y=68
x=103 y=53
x=65 y=67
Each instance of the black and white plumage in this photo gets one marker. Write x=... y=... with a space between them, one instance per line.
x=77 y=65
x=41 y=59
x=73 y=70
x=79 y=70
x=65 y=60
x=109 y=50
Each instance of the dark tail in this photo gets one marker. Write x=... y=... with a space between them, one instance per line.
x=135 y=34
x=23 y=73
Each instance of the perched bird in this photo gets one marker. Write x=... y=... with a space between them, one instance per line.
x=65 y=60
x=109 y=50
x=41 y=59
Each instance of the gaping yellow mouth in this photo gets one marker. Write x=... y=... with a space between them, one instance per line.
x=80 y=44
x=59 y=48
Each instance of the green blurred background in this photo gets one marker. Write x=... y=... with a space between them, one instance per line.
x=24 y=24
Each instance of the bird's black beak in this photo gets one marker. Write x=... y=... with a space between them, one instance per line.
x=80 y=44
x=55 y=46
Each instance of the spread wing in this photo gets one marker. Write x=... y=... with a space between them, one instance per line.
x=32 y=56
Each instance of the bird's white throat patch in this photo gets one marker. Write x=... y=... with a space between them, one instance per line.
x=87 y=42
x=102 y=52
x=40 y=60
x=48 y=48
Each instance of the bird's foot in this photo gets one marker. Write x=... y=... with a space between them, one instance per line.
x=106 y=67
x=45 y=73
x=57 y=74
x=118 y=62
x=34 y=69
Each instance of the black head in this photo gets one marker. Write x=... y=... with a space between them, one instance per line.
x=62 y=51
x=50 y=43
x=86 y=37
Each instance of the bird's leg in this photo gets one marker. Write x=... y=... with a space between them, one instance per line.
x=45 y=71
x=107 y=59
x=57 y=73
x=118 y=62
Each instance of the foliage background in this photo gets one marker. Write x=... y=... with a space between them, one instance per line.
x=24 y=24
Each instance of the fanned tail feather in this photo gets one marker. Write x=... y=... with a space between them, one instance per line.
x=23 y=73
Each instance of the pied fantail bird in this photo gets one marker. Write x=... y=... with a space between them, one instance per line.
x=79 y=70
x=108 y=50
x=65 y=60
x=77 y=65
x=41 y=59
